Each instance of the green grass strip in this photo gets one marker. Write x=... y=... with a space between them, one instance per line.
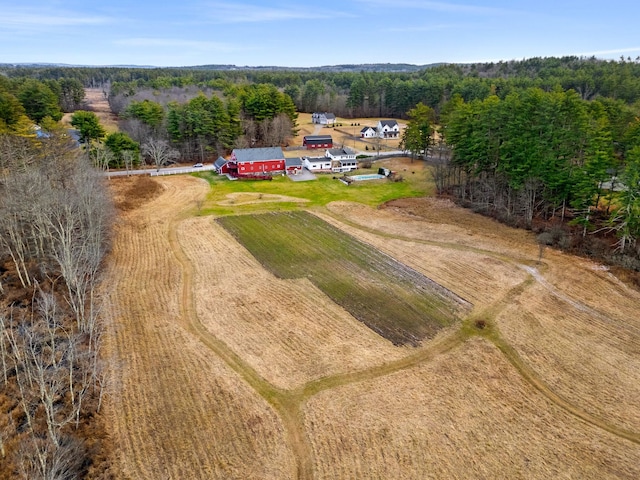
x=392 y=299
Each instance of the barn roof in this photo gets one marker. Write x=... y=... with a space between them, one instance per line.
x=258 y=154
x=317 y=138
x=219 y=162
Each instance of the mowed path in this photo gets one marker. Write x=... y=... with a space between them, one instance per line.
x=195 y=398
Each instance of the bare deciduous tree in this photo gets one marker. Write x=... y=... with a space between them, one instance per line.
x=159 y=151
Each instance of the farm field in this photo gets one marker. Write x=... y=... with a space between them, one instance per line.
x=225 y=368
x=391 y=299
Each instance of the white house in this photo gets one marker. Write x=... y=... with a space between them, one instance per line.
x=342 y=159
x=323 y=118
x=388 y=129
x=368 y=132
x=317 y=164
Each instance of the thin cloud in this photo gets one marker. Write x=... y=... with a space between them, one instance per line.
x=17 y=19
x=222 y=12
x=445 y=7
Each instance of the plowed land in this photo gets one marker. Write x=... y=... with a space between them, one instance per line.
x=222 y=370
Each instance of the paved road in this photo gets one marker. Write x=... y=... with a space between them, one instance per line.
x=159 y=172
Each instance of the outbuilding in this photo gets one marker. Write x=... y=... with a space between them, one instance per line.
x=317 y=141
x=293 y=165
x=317 y=164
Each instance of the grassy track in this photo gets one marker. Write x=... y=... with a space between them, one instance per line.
x=397 y=302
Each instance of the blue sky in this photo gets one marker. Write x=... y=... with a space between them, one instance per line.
x=304 y=34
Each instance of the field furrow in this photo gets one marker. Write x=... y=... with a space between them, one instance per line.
x=466 y=414
x=176 y=410
x=577 y=354
x=229 y=366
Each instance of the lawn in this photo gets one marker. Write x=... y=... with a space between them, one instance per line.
x=392 y=299
x=325 y=189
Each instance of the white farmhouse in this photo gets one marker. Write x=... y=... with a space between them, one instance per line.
x=368 y=132
x=342 y=159
x=323 y=118
x=388 y=129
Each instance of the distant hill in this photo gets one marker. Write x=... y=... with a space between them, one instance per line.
x=355 y=67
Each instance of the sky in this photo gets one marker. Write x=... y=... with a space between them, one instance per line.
x=310 y=34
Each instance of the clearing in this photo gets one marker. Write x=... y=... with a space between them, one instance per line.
x=223 y=369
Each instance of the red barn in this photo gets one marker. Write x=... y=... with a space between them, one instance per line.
x=317 y=141
x=256 y=162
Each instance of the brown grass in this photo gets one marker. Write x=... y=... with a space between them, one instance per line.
x=96 y=102
x=287 y=330
x=224 y=371
x=466 y=414
x=177 y=410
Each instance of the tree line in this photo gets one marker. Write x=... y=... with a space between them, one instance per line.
x=55 y=224
x=548 y=155
x=26 y=101
x=375 y=93
x=202 y=124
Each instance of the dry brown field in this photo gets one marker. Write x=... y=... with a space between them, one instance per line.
x=97 y=103
x=221 y=370
x=345 y=135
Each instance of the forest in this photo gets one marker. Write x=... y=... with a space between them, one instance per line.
x=55 y=227
x=548 y=144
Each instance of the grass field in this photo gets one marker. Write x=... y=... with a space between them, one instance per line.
x=229 y=198
x=229 y=367
x=397 y=302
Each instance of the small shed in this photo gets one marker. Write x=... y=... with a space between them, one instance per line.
x=220 y=166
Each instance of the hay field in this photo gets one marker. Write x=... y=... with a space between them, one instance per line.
x=467 y=414
x=286 y=329
x=176 y=409
x=221 y=370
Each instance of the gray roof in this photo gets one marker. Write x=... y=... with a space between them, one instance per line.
x=326 y=114
x=388 y=123
x=293 y=162
x=219 y=162
x=318 y=159
x=258 y=154
x=318 y=137
x=341 y=151
x=364 y=129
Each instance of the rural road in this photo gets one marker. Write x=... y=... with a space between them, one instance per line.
x=159 y=172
